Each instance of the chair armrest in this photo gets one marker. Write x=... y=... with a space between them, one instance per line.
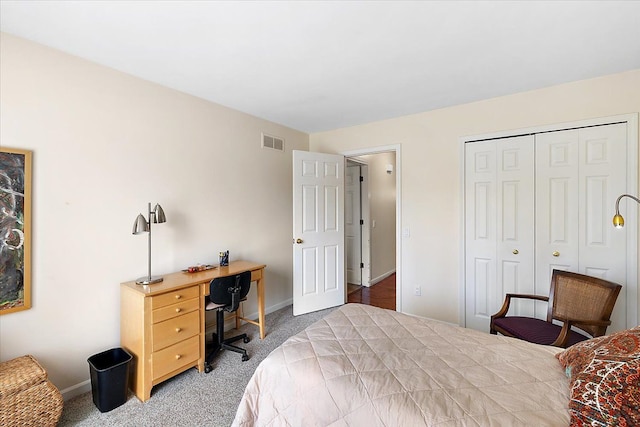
x=562 y=339
x=507 y=302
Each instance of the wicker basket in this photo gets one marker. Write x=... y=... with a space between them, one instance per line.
x=27 y=398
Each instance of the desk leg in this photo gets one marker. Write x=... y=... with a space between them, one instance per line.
x=203 y=329
x=261 y=304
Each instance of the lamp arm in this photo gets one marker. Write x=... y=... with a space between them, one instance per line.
x=620 y=197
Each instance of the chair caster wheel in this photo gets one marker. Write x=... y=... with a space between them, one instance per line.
x=245 y=357
x=207 y=368
x=246 y=340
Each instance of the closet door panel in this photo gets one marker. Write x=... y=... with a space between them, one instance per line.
x=602 y=179
x=480 y=232
x=557 y=199
x=499 y=226
x=515 y=219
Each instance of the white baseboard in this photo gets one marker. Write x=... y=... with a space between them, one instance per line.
x=85 y=386
x=382 y=277
x=76 y=390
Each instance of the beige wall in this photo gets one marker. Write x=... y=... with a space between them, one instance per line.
x=431 y=189
x=104 y=144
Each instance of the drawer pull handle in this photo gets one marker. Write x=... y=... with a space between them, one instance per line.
x=178 y=296
x=178 y=329
x=555 y=253
x=178 y=356
x=178 y=310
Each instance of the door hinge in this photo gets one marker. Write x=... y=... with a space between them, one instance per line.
x=361 y=179
x=362 y=265
x=362 y=222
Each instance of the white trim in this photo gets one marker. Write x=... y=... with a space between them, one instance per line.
x=631 y=214
x=76 y=390
x=398 y=150
x=631 y=119
x=554 y=127
x=462 y=278
x=382 y=277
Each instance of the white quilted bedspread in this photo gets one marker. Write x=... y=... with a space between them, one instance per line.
x=365 y=366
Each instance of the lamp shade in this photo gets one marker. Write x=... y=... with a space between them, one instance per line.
x=618 y=220
x=140 y=225
x=159 y=216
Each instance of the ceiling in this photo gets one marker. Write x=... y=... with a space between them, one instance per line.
x=316 y=66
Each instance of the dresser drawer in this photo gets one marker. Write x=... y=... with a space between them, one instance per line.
x=176 y=329
x=169 y=298
x=182 y=307
x=175 y=357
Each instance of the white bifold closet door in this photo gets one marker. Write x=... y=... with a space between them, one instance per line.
x=540 y=202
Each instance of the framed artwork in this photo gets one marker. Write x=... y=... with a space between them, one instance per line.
x=15 y=230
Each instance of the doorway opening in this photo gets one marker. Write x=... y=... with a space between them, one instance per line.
x=372 y=226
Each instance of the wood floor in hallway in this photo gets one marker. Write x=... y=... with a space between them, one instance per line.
x=382 y=294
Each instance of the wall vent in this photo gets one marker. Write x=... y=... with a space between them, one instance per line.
x=273 y=142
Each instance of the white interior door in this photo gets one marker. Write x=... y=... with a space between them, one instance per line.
x=318 y=231
x=365 y=214
x=353 y=224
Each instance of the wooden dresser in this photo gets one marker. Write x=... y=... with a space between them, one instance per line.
x=163 y=325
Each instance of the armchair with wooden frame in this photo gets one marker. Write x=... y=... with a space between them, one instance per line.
x=576 y=300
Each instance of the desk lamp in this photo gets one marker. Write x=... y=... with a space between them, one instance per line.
x=142 y=225
x=618 y=220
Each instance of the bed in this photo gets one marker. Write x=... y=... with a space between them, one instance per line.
x=366 y=366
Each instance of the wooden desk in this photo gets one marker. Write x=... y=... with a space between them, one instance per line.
x=163 y=325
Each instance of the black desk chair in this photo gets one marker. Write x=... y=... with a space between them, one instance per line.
x=225 y=294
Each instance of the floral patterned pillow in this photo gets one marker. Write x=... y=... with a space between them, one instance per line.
x=604 y=375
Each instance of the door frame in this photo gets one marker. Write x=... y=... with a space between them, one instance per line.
x=633 y=272
x=397 y=148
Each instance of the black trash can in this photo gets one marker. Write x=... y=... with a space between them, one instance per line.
x=109 y=378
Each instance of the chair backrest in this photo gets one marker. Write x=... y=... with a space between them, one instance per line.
x=577 y=296
x=230 y=290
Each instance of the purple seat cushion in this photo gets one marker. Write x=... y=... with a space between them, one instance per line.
x=535 y=330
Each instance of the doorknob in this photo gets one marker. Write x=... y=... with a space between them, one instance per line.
x=555 y=253
x=515 y=252
x=298 y=241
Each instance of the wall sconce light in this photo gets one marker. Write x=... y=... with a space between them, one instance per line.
x=141 y=225
x=389 y=168
x=618 y=220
